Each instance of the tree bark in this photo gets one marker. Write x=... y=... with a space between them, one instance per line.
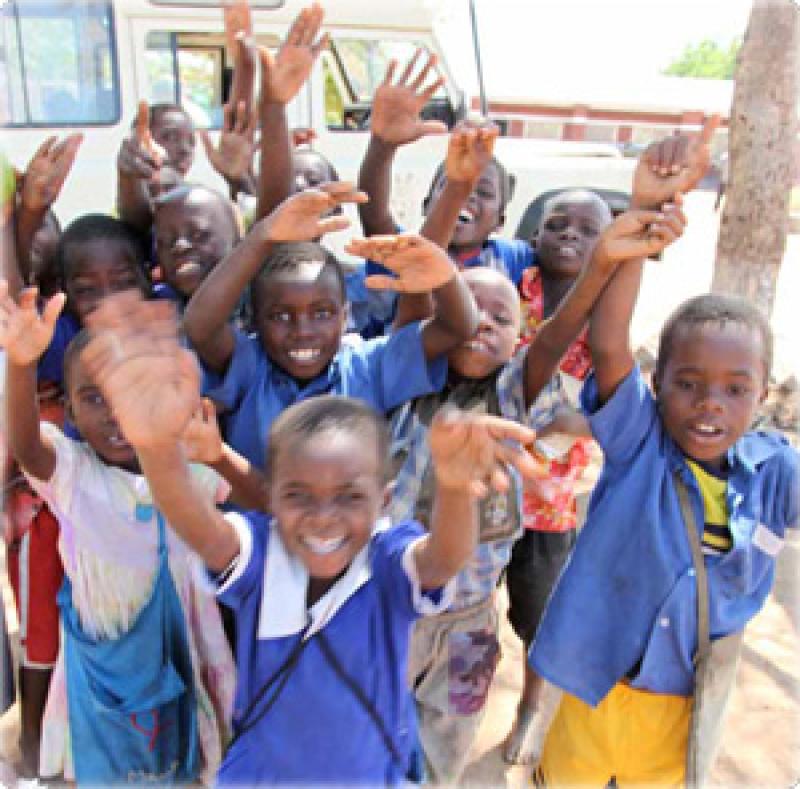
x=762 y=145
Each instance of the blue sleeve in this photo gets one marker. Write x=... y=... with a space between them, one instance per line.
x=229 y=388
x=371 y=311
x=399 y=370
x=396 y=574
x=792 y=485
x=246 y=578
x=51 y=363
x=517 y=255
x=625 y=421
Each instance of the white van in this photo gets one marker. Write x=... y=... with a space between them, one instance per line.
x=84 y=64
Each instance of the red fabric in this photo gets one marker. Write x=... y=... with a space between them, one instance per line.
x=560 y=515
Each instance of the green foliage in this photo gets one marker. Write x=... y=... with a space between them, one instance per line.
x=707 y=59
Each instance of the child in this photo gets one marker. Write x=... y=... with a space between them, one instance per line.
x=163 y=136
x=395 y=122
x=298 y=304
x=571 y=223
x=324 y=628
x=682 y=532
x=195 y=228
x=454 y=655
x=142 y=637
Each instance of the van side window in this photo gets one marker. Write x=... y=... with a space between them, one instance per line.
x=187 y=69
x=354 y=68
x=58 y=64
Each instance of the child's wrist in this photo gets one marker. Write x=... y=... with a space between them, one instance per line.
x=382 y=146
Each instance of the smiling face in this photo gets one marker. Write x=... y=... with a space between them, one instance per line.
x=193 y=234
x=299 y=313
x=326 y=492
x=495 y=338
x=98 y=268
x=710 y=387
x=174 y=131
x=92 y=416
x=570 y=227
x=482 y=212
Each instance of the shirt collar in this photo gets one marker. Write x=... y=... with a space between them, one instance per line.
x=324 y=382
x=749 y=452
x=283 y=609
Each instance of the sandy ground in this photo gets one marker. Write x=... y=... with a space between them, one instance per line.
x=762 y=741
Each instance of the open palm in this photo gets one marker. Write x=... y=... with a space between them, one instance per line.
x=396 y=106
x=419 y=265
x=300 y=217
x=470 y=151
x=672 y=166
x=470 y=451
x=24 y=333
x=284 y=74
x=47 y=171
x=134 y=356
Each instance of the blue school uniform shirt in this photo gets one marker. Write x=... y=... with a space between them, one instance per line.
x=384 y=372
x=627 y=598
x=317 y=731
x=372 y=312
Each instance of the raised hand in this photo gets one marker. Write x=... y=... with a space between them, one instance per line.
x=282 y=76
x=141 y=156
x=47 y=171
x=396 y=106
x=232 y=156
x=675 y=164
x=470 y=150
x=470 y=451
x=150 y=381
x=301 y=217
x=201 y=438
x=24 y=333
x=419 y=265
x=639 y=234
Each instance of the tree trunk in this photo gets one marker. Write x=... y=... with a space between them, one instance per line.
x=762 y=144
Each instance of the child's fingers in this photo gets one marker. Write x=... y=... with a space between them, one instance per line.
x=429 y=92
x=143 y=122
x=27 y=299
x=333 y=224
x=44 y=149
x=384 y=282
x=410 y=66
x=419 y=80
x=320 y=46
x=433 y=127
x=296 y=32
x=390 y=70
x=53 y=307
x=498 y=479
x=709 y=128
x=505 y=430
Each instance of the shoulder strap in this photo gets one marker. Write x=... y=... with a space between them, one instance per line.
x=358 y=692
x=703 y=637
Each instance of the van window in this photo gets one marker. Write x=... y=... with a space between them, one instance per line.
x=58 y=63
x=187 y=72
x=353 y=70
x=191 y=69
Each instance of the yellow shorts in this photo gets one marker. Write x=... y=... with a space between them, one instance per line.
x=634 y=736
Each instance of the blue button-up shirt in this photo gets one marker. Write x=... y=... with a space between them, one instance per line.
x=384 y=372
x=628 y=593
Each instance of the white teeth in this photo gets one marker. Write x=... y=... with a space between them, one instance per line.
x=708 y=429
x=304 y=354
x=117 y=441
x=323 y=547
x=465 y=216
x=568 y=252
x=476 y=345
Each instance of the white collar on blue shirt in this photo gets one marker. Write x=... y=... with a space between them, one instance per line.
x=283 y=598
